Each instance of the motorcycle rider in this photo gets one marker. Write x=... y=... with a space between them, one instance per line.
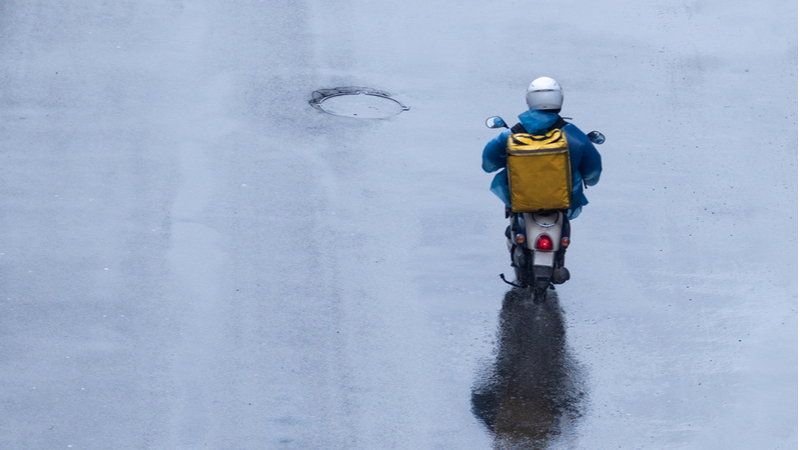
x=545 y=97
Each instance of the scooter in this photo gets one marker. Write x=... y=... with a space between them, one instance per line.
x=538 y=240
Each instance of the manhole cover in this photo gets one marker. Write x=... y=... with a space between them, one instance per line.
x=361 y=103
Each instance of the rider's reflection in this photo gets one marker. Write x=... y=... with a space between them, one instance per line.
x=532 y=395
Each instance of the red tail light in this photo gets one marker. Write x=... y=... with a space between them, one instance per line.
x=544 y=242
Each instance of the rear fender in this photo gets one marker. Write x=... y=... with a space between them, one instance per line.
x=547 y=222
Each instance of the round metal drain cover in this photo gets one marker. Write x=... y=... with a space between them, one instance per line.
x=358 y=102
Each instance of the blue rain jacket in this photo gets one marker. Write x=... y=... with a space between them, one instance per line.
x=583 y=156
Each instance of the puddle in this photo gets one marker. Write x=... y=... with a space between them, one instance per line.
x=357 y=102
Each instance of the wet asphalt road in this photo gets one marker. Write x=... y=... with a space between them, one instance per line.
x=192 y=256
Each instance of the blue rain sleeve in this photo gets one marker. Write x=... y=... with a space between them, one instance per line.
x=494 y=154
x=500 y=187
x=494 y=158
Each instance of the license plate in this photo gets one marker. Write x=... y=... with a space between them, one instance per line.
x=543 y=258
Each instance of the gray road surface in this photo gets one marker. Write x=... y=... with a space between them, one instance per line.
x=193 y=257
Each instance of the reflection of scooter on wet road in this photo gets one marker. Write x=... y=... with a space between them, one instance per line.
x=532 y=394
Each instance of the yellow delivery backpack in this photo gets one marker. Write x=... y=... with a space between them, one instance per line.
x=539 y=172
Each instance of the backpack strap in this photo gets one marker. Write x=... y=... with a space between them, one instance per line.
x=560 y=123
x=518 y=128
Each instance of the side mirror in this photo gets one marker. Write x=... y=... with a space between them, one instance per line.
x=596 y=137
x=496 y=122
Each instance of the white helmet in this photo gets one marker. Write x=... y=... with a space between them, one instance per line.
x=544 y=94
